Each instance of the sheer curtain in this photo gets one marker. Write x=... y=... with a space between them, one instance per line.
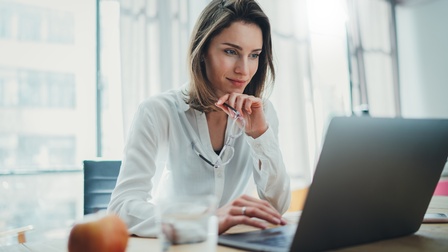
x=154 y=40
x=292 y=95
x=313 y=82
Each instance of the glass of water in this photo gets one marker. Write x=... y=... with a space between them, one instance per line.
x=188 y=221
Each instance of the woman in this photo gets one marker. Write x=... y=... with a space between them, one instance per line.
x=192 y=138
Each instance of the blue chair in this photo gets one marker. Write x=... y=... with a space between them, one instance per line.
x=100 y=177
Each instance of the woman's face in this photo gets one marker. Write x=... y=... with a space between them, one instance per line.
x=232 y=57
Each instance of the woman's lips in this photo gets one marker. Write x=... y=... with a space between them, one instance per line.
x=238 y=83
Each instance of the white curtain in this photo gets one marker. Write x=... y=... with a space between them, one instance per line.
x=154 y=40
x=291 y=95
x=136 y=23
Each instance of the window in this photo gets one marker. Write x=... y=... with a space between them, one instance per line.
x=61 y=27
x=5 y=21
x=45 y=151
x=47 y=111
x=47 y=83
x=29 y=22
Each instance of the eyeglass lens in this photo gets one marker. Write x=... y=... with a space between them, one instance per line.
x=226 y=155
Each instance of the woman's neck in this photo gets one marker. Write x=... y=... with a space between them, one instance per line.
x=217 y=122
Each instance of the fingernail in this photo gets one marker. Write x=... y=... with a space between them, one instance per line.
x=277 y=221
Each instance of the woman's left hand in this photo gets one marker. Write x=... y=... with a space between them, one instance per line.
x=250 y=107
x=249 y=211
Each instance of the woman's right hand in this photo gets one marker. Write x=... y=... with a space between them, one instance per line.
x=243 y=209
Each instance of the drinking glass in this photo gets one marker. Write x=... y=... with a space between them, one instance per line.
x=188 y=221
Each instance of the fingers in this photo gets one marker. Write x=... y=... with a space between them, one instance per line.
x=241 y=102
x=251 y=109
x=232 y=220
x=249 y=221
x=249 y=211
x=256 y=208
x=246 y=200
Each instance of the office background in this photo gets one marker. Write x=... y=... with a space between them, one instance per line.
x=73 y=72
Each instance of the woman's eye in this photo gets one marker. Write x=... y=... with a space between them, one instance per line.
x=255 y=55
x=230 y=51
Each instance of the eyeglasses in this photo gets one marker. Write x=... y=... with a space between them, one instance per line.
x=227 y=152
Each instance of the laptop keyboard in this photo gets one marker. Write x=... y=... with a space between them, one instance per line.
x=280 y=240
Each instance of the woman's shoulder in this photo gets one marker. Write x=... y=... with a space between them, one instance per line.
x=268 y=106
x=270 y=111
x=167 y=100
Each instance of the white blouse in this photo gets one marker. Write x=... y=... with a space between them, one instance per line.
x=159 y=161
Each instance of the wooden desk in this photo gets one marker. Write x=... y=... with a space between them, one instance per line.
x=430 y=237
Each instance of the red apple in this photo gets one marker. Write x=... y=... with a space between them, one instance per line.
x=107 y=234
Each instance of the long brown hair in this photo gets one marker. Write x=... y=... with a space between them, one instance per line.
x=218 y=15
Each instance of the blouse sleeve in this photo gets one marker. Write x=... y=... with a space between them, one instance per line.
x=271 y=178
x=131 y=197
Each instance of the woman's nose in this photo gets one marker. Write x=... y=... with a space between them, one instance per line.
x=242 y=66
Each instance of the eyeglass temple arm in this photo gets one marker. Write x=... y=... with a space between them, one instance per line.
x=202 y=157
x=233 y=109
x=206 y=160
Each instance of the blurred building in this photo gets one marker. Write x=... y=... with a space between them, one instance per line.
x=47 y=111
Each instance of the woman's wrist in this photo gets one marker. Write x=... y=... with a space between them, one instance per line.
x=255 y=133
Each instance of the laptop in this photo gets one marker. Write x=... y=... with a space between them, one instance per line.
x=373 y=180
